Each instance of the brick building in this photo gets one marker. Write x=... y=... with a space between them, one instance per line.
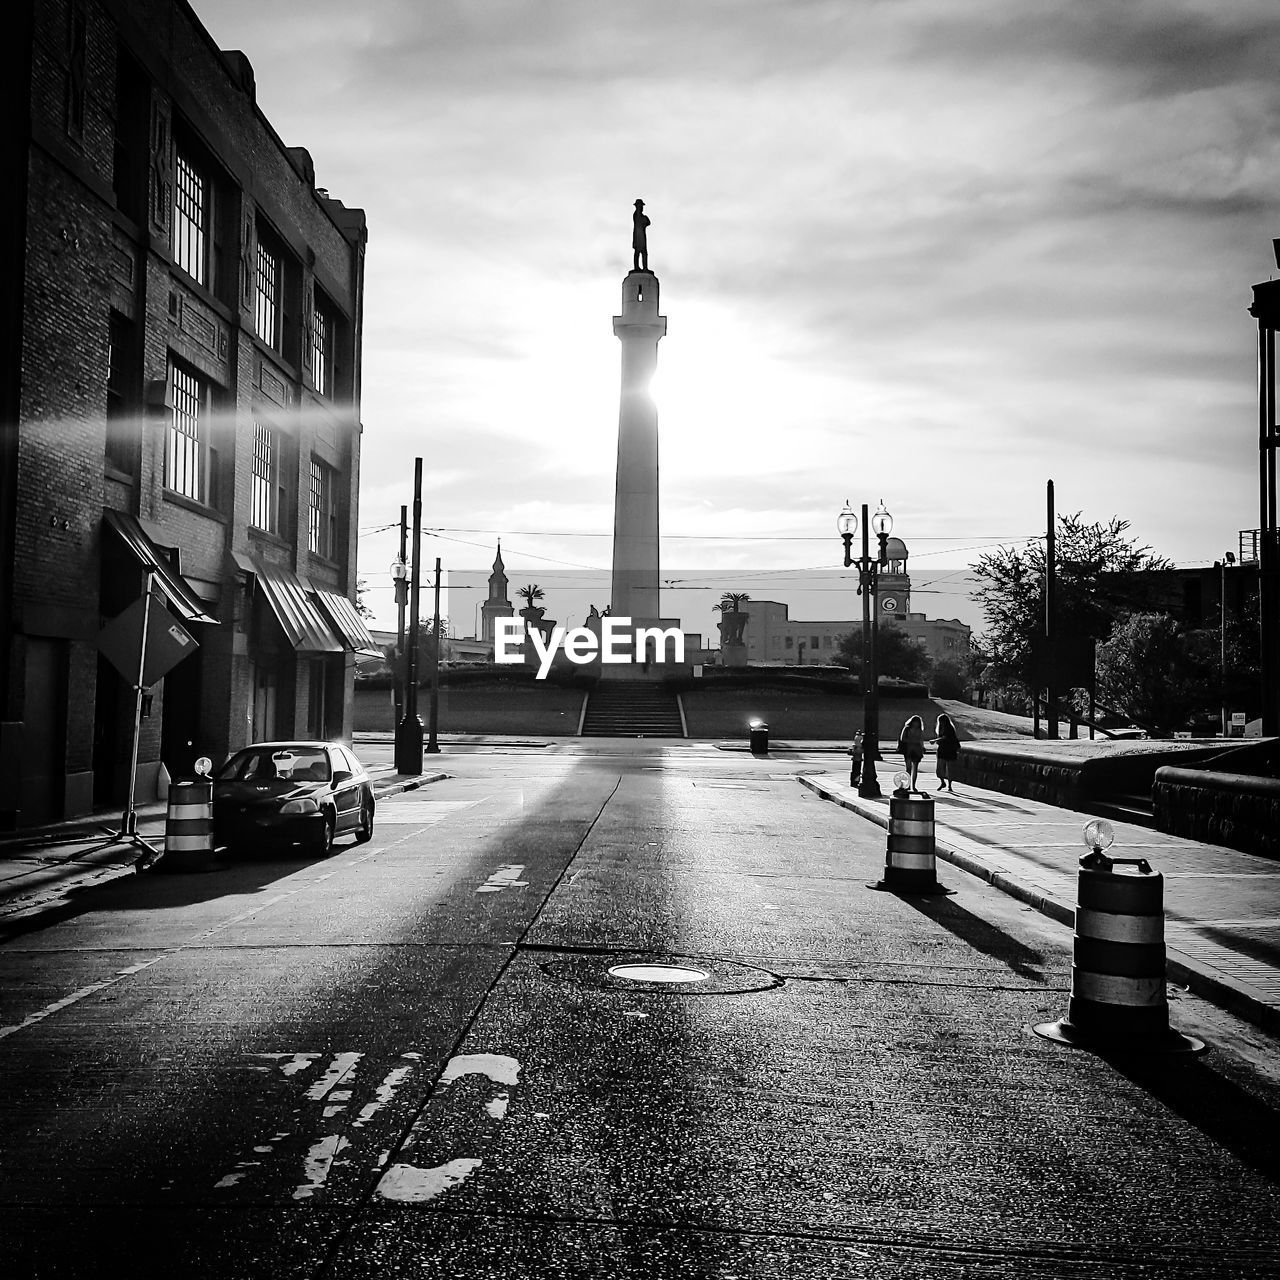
x=180 y=333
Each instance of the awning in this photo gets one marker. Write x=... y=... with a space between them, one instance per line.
x=348 y=621
x=305 y=626
x=186 y=603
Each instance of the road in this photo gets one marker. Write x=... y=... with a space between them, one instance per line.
x=412 y=1059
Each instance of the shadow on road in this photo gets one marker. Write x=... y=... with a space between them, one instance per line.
x=983 y=936
x=1221 y=1109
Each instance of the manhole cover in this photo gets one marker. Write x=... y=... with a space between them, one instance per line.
x=657 y=973
x=665 y=974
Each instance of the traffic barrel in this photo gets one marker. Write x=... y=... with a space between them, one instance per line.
x=910 y=864
x=188 y=829
x=1118 y=998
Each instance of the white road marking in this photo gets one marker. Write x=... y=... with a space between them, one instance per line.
x=406 y=1183
x=506 y=877
x=342 y=1065
x=497 y=1066
x=318 y=1163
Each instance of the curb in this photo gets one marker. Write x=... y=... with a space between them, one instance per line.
x=1179 y=967
x=56 y=906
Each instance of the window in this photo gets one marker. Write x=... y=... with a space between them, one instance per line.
x=813 y=642
x=190 y=219
x=122 y=433
x=789 y=642
x=322 y=530
x=262 y=501
x=826 y=642
x=267 y=296
x=183 y=472
x=322 y=349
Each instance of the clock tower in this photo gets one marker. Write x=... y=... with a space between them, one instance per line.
x=894 y=586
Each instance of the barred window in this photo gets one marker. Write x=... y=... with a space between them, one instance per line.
x=322 y=529
x=190 y=219
x=182 y=464
x=262 y=513
x=267 y=297
x=321 y=349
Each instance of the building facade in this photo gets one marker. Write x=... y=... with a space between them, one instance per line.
x=179 y=403
x=772 y=637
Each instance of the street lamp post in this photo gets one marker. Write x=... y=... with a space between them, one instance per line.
x=408 y=756
x=868 y=586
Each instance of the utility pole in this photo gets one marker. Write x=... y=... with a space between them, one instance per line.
x=402 y=598
x=1050 y=589
x=409 y=730
x=433 y=716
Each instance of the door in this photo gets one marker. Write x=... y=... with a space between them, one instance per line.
x=262 y=710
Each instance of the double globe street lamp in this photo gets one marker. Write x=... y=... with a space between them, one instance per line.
x=868 y=584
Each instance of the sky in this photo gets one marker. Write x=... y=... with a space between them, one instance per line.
x=935 y=252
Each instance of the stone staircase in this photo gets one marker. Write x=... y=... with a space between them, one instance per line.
x=631 y=709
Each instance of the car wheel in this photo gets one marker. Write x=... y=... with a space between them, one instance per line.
x=364 y=832
x=324 y=841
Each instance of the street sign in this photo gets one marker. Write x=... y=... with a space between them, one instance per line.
x=1240 y=718
x=168 y=642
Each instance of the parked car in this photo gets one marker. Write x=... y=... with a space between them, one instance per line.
x=274 y=793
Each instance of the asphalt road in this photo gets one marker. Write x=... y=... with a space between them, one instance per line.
x=412 y=1059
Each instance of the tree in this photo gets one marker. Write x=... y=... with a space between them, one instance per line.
x=361 y=608
x=1099 y=575
x=530 y=593
x=732 y=601
x=1157 y=672
x=949 y=678
x=897 y=654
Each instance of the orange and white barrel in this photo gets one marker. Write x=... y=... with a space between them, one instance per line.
x=188 y=830
x=910 y=855
x=1118 y=997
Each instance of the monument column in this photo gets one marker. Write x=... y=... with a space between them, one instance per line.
x=635 y=513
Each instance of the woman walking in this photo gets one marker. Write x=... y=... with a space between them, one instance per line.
x=948 y=749
x=911 y=744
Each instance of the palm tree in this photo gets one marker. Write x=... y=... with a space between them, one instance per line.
x=732 y=601
x=530 y=593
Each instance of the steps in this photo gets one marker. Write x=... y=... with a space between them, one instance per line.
x=1136 y=809
x=631 y=709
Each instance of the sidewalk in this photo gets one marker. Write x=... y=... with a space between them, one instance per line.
x=41 y=866
x=1222 y=907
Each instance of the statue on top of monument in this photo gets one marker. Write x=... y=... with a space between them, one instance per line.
x=640 y=238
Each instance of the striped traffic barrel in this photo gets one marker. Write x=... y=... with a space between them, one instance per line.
x=910 y=865
x=188 y=830
x=1118 y=961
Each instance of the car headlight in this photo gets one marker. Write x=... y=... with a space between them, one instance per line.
x=305 y=805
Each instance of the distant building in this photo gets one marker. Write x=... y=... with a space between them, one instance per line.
x=772 y=636
x=497 y=605
x=180 y=337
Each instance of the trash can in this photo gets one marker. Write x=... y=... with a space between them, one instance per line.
x=759 y=738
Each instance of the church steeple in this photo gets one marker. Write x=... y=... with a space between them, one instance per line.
x=497 y=605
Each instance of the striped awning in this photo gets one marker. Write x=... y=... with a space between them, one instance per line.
x=188 y=605
x=300 y=618
x=350 y=625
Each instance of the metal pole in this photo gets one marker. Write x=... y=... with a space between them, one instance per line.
x=402 y=596
x=1266 y=537
x=1222 y=640
x=129 y=822
x=1050 y=586
x=409 y=730
x=869 y=787
x=433 y=715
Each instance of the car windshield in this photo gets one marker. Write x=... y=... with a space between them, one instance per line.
x=286 y=763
